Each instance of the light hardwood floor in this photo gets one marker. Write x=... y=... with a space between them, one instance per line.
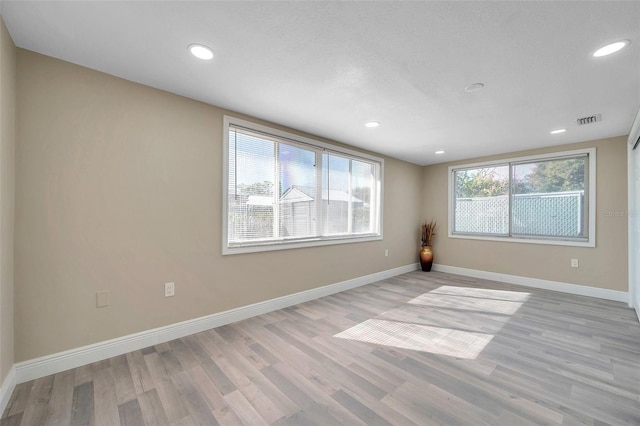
x=420 y=348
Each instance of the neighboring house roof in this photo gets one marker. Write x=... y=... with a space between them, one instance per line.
x=297 y=194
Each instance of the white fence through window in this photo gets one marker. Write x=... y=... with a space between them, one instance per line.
x=553 y=214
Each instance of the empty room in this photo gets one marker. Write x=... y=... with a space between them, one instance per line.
x=319 y=213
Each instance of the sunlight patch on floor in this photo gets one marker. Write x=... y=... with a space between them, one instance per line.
x=484 y=293
x=448 y=308
x=506 y=307
x=436 y=340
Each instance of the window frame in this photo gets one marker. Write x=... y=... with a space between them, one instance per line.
x=590 y=208
x=282 y=244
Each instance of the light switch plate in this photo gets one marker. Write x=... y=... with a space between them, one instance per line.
x=169 y=289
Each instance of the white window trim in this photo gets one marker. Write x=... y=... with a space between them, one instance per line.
x=310 y=242
x=590 y=242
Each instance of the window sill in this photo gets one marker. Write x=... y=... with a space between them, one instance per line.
x=552 y=242
x=287 y=245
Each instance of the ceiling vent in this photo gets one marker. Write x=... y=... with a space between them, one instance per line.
x=588 y=120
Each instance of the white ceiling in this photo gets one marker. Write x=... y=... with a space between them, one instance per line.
x=328 y=67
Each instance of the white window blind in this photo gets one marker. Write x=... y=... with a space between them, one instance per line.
x=284 y=191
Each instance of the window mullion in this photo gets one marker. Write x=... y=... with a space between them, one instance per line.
x=373 y=199
x=350 y=199
x=510 y=198
x=586 y=199
x=276 y=191
x=318 y=198
x=453 y=196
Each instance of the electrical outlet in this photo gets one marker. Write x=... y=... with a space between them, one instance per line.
x=386 y=252
x=102 y=299
x=574 y=263
x=169 y=289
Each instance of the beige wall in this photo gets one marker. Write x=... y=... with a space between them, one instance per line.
x=118 y=188
x=7 y=199
x=604 y=266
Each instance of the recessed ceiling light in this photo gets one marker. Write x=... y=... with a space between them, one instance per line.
x=372 y=124
x=555 y=132
x=201 y=51
x=474 y=87
x=610 y=48
x=439 y=152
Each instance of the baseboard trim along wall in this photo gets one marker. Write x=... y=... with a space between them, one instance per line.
x=55 y=363
x=6 y=389
x=581 y=290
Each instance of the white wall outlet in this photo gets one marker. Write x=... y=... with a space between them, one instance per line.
x=102 y=299
x=386 y=252
x=574 y=263
x=169 y=289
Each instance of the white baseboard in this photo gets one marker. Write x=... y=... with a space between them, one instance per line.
x=55 y=363
x=618 y=296
x=6 y=389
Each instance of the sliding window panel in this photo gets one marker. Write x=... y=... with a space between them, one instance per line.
x=251 y=193
x=297 y=192
x=336 y=185
x=362 y=196
x=548 y=198
x=482 y=200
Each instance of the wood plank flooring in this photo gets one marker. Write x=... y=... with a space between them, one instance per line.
x=419 y=348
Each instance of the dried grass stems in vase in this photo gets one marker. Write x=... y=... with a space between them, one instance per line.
x=428 y=231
